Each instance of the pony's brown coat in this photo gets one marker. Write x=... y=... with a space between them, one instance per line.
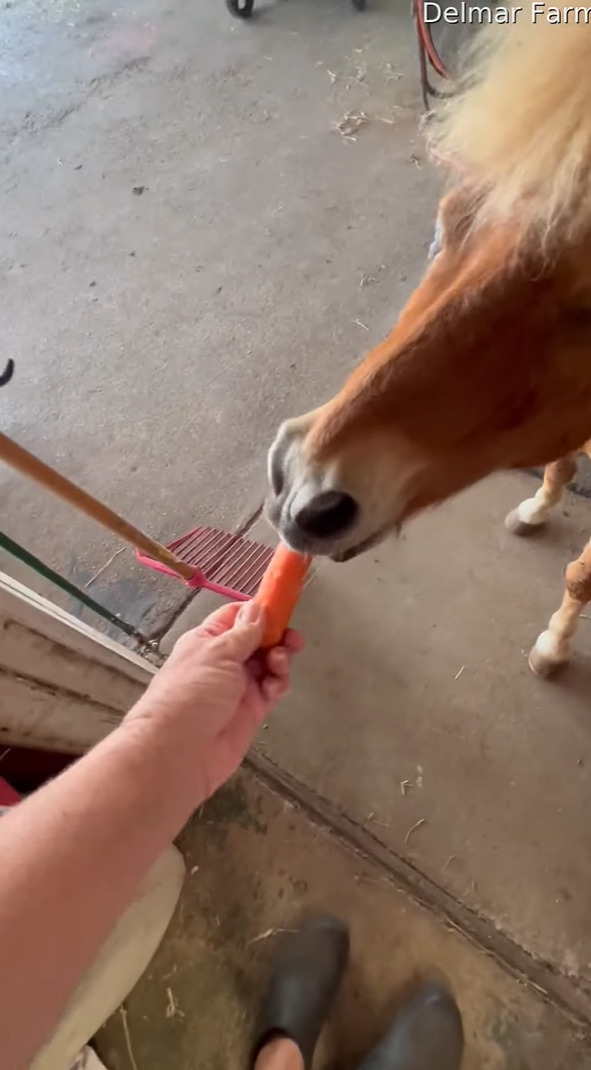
x=489 y=365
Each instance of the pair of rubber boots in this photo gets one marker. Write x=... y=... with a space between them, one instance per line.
x=426 y=1033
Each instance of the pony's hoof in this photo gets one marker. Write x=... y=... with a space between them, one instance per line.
x=517 y=526
x=542 y=662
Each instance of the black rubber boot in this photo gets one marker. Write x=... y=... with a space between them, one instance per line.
x=305 y=978
x=426 y=1034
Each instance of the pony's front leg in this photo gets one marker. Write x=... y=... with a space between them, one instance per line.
x=553 y=647
x=534 y=512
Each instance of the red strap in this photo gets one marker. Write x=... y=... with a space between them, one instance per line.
x=8 y=796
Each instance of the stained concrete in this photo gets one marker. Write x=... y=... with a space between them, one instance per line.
x=255 y=866
x=414 y=702
x=160 y=336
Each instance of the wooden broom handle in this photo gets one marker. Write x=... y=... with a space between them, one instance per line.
x=31 y=466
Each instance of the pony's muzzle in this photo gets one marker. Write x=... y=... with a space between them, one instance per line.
x=317 y=526
x=312 y=515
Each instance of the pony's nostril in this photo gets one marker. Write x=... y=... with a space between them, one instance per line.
x=327 y=515
x=276 y=478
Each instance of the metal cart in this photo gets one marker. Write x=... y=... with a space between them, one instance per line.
x=242 y=9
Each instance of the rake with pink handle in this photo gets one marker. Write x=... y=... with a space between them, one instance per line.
x=208 y=558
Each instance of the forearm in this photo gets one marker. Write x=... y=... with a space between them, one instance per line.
x=71 y=860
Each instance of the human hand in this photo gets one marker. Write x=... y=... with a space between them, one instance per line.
x=217 y=692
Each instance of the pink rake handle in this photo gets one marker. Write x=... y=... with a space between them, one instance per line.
x=198 y=579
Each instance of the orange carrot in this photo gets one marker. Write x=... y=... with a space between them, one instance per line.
x=279 y=591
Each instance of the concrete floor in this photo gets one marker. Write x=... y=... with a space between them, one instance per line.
x=415 y=674
x=257 y=864
x=159 y=337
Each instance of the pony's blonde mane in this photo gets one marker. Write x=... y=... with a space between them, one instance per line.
x=519 y=127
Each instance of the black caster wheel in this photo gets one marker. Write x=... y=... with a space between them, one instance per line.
x=360 y=4
x=242 y=9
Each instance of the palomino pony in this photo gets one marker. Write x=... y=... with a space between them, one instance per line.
x=489 y=365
